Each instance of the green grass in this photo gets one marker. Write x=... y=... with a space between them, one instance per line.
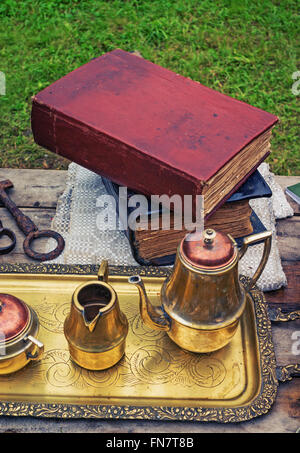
x=246 y=49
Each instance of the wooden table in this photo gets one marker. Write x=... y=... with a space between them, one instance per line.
x=37 y=191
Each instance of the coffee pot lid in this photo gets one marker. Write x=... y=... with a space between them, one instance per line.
x=14 y=317
x=210 y=249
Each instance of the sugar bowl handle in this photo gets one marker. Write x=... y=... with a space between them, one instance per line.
x=265 y=237
x=39 y=350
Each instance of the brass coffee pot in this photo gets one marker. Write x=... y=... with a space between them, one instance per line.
x=96 y=328
x=202 y=300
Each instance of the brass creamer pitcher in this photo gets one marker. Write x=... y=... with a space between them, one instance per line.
x=96 y=328
x=202 y=300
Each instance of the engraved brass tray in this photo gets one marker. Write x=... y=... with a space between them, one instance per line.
x=155 y=379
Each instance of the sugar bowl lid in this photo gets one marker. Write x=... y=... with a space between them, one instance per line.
x=210 y=249
x=14 y=317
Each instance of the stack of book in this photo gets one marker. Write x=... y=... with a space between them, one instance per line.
x=158 y=133
x=158 y=247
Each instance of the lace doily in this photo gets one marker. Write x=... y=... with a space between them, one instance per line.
x=88 y=241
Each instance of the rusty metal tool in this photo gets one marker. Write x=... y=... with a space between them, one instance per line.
x=30 y=230
x=11 y=235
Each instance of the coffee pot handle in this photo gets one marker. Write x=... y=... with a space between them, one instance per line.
x=103 y=271
x=265 y=237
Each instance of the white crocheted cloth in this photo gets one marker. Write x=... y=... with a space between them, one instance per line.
x=88 y=243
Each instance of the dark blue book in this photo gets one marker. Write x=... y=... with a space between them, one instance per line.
x=254 y=187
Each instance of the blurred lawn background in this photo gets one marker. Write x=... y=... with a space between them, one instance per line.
x=246 y=49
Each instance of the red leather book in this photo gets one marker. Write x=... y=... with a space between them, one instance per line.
x=150 y=129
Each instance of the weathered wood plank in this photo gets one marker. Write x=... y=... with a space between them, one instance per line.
x=289 y=296
x=288 y=237
x=41 y=217
x=285 y=181
x=294 y=205
x=35 y=188
x=287 y=407
x=286 y=349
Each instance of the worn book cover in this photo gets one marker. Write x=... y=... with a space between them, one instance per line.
x=294 y=192
x=152 y=129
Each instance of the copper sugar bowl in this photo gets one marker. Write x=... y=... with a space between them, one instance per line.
x=19 y=327
x=203 y=299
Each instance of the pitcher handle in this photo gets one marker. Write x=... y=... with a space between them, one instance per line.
x=266 y=237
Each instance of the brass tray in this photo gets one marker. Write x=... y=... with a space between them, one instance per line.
x=156 y=379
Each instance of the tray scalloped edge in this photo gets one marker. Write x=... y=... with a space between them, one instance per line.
x=259 y=406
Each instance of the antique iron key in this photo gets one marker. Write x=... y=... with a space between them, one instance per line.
x=30 y=230
x=5 y=232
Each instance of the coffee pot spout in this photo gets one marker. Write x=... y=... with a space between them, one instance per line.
x=153 y=316
x=88 y=322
